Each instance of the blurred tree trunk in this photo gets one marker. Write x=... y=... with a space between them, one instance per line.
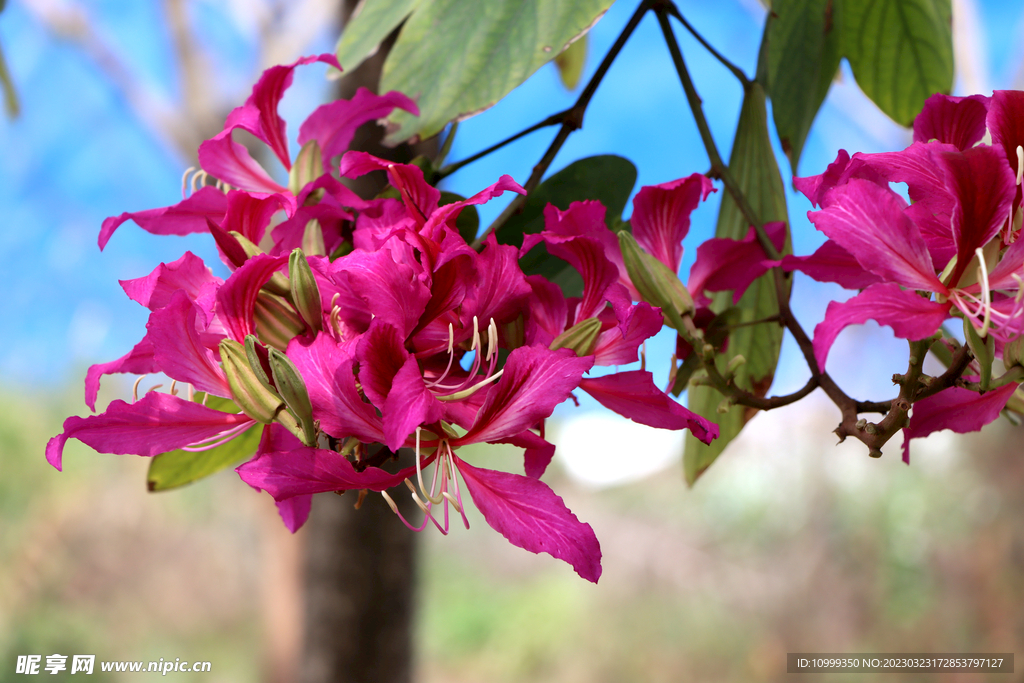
x=361 y=564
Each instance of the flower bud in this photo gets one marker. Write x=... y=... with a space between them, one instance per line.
x=277 y=323
x=258 y=359
x=293 y=390
x=305 y=293
x=255 y=399
x=308 y=167
x=656 y=283
x=581 y=337
x=313 y=239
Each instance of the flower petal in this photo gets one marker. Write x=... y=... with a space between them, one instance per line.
x=529 y=514
x=727 y=264
x=534 y=381
x=178 y=350
x=154 y=424
x=305 y=471
x=909 y=315
x=155 y=290
x=138 y=361
x=333 y=124
x=183 y=218
x=958 y=121
x=831 y=263
x=633 y=394
x=538 y=455
x=236 y=299
x=868 y=221
x=661 y=216
x=956 y=409
x=618 y=345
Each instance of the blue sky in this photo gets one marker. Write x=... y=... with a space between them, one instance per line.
x=79 y=154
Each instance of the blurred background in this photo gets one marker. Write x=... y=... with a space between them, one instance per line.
x=789 y=543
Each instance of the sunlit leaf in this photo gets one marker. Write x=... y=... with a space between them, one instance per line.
x=458 y=57
x=570 y=63
x=901 y=52
x=755 y=168
x=606 y=178
x=370 y=23
x=803 y=52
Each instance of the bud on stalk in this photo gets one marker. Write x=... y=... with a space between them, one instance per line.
x=305 y=294
x=293 y=390
x=248 y=392
x=656 y=283
x=581 y=337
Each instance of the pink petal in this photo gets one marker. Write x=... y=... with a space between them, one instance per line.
x=295 y=511
x=1006 y=122
x=958 y=121
x=831 y=263
x=910 y=315
x=587 y=256
x=250 y=214
x=327 y=369
x=178 y=349
x=305 y=471
x=391 y=290
x=154 y=424
x=868 y=221
x=661 y=216
x=984 y=187
x=618 y=345
x=420 y=199
x=529 y=514
x=183 y=218
x=633 y=394
x=236 y=299
x=538 y=455
x=534 y=381
x=547 y=313
x=409 y=405
x=723 y=264
x=500 y=289
x=332 y=125
x=259 y=113
x=155 y=290
x=138 y=361
x=227 y=160
x=956 y=409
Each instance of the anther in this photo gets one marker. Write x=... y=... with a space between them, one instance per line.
x=983 y=276
x=1020 y=164
x=390 y=502
x=492 y=339
x=174 y=387
x=451 y=499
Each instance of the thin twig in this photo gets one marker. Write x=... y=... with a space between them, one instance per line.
x=573 y=120
x=553 y=120
x=736 y=71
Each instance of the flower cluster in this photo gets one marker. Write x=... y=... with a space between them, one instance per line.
x=952 y=251
x=349 y=329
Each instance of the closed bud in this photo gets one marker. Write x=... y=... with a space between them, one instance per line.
x=277 y=322
x=581 y=337
x=657 y=284
x=292 y=389
x=259 y=360
x=313 y=239
x=305 y=293
x=248 y=392
x=308 y=167
x=735 y=363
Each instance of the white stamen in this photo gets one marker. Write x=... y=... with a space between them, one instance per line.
x=174 y=387
x=983 y=278
x=390 y=502
x=492 y=340
x=1020 y=164
x=184 y=180
x=195 y=179
x=135 y=388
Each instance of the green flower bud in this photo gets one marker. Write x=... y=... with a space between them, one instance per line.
x=305 y=293
x=253 y=356
x=293 y=390
x=656 y=283
x=255 y=399
x=277 y=323
x=308 y=167
x=313 y=239
x=581 y=337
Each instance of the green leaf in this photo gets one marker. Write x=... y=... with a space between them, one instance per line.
x=11 y=105
x=468 y=220
x=370 y=24
x=570 y=63
x=753 y=165
x=458 y=57
x=803 y=52
x=901 y=52
x=606 y=178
